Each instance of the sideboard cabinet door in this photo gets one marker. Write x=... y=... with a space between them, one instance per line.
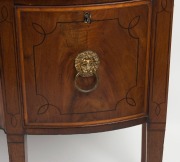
x=50 y=41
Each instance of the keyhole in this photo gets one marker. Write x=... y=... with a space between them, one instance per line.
x=87 y=18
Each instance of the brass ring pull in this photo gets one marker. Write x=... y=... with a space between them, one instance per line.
x=86 y=64
x=88 y=90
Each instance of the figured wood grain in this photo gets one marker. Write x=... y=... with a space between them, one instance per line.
x=37 y=92
x=48 y=51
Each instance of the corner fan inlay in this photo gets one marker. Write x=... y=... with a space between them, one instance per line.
x=129 y=100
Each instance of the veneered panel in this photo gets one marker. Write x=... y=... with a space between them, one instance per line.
x=50 y=41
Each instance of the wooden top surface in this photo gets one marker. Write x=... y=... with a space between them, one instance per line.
x=66 y=2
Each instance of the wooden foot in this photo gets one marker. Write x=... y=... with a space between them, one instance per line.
x=16 y=148
x=155 y=143
x=144 y=143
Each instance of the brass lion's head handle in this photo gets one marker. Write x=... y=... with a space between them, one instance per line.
x=86 y=64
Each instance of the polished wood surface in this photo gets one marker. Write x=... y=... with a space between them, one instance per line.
x=87 y=129
x=66 y=2
x=9 y=70
x=51 y=40
x=144 y=143
x=39 y=41
x=160 y=61
x=17 y=148
x=1 y=108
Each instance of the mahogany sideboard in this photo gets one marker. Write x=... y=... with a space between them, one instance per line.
x=76 y=66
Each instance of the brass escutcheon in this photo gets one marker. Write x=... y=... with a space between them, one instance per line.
x=86 y=64
x=87 y=18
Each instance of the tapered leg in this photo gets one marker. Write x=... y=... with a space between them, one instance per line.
x=152 y=142
x=155 y=142
x=144 y=143
x=16 y=148
x=161 y=27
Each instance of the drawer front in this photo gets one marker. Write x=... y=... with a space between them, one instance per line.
x=50 y=40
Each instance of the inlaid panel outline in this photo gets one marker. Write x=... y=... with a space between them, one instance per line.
x=158 y=104
x=4 y=15
x=135 y=20
x=148 y=5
